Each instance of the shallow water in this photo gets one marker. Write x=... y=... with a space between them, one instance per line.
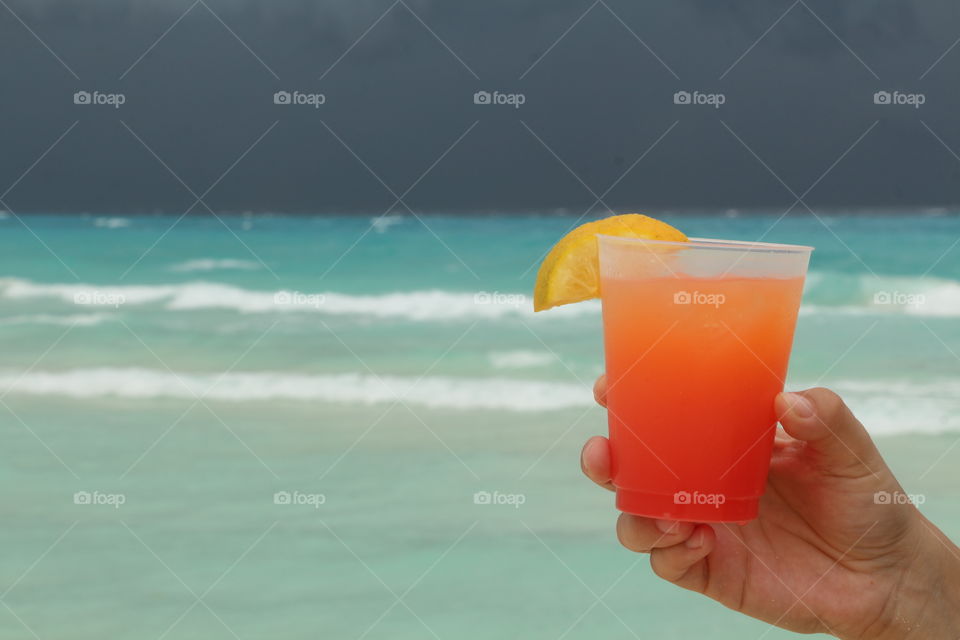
x=196 y=379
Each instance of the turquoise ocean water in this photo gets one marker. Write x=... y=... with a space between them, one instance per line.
x=276 y=426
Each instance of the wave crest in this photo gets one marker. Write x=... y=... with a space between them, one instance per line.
x=348 y=388
x=826 y=293
x=199 y=295
x=212 y=264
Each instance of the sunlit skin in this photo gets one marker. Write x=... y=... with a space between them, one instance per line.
x=823 y=556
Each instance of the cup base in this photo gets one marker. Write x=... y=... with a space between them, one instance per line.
x=686 y=507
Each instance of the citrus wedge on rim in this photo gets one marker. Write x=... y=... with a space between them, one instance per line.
x=571 y=271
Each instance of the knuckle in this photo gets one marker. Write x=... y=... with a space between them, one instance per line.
x=629 y=536
x=829 y=404
x=659 y=563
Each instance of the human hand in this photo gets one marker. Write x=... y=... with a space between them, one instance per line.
x=824 y=554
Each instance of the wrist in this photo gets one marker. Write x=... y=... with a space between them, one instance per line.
x=925 y=601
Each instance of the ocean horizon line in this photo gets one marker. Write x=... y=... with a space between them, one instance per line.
x=719 y=211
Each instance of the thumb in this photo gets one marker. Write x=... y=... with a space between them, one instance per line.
x=820 y=418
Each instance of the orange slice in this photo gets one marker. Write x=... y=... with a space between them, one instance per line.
x=571 y=271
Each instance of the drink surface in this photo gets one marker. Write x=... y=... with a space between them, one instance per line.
x=693 y=365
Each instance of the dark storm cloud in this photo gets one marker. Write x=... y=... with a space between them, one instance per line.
x=598 y=119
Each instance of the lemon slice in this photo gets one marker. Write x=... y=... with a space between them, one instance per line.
x=571 y=271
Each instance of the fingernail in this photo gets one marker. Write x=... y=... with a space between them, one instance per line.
x=667 y=526
x=798 y=405
x=696 y=540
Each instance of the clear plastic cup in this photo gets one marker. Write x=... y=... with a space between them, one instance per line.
x=697 y=337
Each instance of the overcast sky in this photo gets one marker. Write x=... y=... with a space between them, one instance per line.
x=589 y=117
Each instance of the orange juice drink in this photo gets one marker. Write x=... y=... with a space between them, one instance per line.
x=697 y=337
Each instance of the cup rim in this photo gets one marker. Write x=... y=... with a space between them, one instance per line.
x=715 y=244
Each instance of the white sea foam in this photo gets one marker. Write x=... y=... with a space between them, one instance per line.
x=349 y=388
x=891 y=407
x=941 y=299
x=71 y=320
x=865 y=295
x=885 y=407
x=925 y=296
x=111 y=223
x=520 y=359
x=16 y=288
x=211 y=264
x=838 y=310
x=381 y=224
x=199 y=295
